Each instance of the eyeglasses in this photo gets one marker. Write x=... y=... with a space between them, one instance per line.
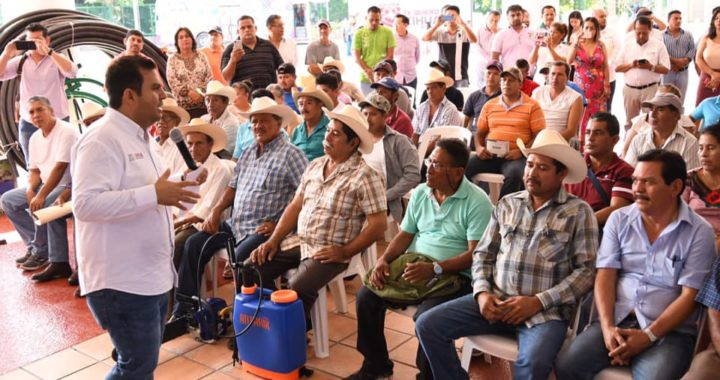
x=430 y=163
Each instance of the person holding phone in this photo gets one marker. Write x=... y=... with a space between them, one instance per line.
x=591 y=71
x=250 y=57
x=643 y=60
x=42 y=71
x=451 y=34
x=549 y=48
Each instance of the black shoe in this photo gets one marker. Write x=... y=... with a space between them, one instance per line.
x=34 y=263
x=73 y=279
x=23 y=259
x=52 y=272
x=362 y=375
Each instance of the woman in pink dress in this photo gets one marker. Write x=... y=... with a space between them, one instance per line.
x=591 y=73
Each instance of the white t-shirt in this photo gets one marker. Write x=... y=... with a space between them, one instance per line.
x=376 y=158
x=544 y=57
x=556 y=110
x=46 y=151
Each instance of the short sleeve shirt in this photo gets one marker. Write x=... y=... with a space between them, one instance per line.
x=316 y=52
x=474 y=105
x=615 y=179
x=373 y=45
x=708 y=111
x=46 y=151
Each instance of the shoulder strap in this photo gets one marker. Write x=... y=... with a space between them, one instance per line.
x=20 y=65
x=598 y=187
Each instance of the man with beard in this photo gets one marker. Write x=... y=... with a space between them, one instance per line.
x=515 y=42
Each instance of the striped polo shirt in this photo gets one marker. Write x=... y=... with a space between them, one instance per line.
x=682 y=46
x=523 y=119
x=259 y=64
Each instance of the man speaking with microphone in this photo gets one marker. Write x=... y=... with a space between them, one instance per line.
x=124 y=225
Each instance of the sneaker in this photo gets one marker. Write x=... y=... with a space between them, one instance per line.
x=362 y=375
x=34 y=263
x=22 y=259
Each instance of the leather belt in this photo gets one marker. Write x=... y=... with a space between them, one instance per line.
x=642 y=87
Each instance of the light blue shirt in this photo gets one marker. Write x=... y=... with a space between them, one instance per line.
x=245 y=138
x=651 y=276
x=708 y=111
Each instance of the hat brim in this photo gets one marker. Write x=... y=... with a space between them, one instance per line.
x=506 y=73
x=445 y=80
x=365 y=103
x=227 y=92
x=216 y=133
x=378 y=84
x=179 y=112
x=280 y=110
x=317 y=94
x=650 y=103
x=366 y=139
x=571 y=158
x=339 y=65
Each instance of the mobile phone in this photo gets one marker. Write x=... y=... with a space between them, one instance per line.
x=586 y=35
x=642 y=61
x=448 y=17
x=25 y=45
x=540 y=38
x=238 y=45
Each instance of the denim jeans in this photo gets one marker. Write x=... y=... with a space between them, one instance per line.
x=135 y=324
x=47 y=241
x=513 y=171
x=192 y=264
x=679 y=79
x=26 y=130
x=668 y=358
x=438 y=328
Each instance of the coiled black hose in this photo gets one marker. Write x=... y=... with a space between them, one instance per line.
x=66 y=28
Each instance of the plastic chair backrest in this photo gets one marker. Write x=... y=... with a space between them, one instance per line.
x=446 y=131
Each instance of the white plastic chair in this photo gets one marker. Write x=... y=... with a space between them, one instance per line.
x=446 y=131
x=494 y=181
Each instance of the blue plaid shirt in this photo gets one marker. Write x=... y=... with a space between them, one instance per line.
x=265 y=184
x=710 y=293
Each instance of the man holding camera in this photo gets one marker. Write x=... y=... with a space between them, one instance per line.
x=448 y=29
x=42 y=71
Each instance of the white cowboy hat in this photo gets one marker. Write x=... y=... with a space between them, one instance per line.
x=550 y=143
x=309 y=88
x=216 y=133
x=437 y=76
x=330 y=61
x=351 y=116
x=170 y=105
x=215 y=87
x=266 y=105
x=91 y=110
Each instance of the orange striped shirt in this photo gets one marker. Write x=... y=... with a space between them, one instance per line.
x=524 y=120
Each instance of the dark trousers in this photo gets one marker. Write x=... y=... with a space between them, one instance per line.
x=370 y=309
x=612 y=93
x=512 y=170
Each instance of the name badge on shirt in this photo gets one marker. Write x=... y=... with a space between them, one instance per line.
x=135 y=156
x=497 y=147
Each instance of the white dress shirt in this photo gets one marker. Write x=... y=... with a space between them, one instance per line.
x=229 y=123
x=124 y=237
x=219 y=174
x=170 y=155
x=653 y=50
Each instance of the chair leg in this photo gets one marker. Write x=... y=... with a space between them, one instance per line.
x=466 y=355
x=337 y=289
x=318 y=316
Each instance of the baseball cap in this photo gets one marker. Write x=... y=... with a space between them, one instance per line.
x=286 y=68
x=442 y=64
x=495 y=64
x=376 y=100
x=387 y=82
x=324 y=22
x=514 y=72
x=383 y=65
x=664 y=99
x=215 y=29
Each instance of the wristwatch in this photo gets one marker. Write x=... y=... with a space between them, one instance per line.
x=650 y=335
x=437 y=268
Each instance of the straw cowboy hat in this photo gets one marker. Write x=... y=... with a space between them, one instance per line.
x=309 y=88
x=351 y=116
x=266 y=105
x=437 y=76
x=90 y=110
x=215 y=87
x=216 y=133
x=550 y=143
x=170 y=105
x=330 y=61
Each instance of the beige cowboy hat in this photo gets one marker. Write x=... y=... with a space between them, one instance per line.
x=437 y=76
x=264 y=104
x=351 y=116
x=309 y=88
x=330 y=61
x=550 y=143
x=171 y=105
x=216 y=133
x=215 y=87
x=90 y=110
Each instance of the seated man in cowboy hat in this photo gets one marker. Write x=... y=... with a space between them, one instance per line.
x=261 y=187
x=347 y=88
x=453 y=94
x=202 y=140
x=437 y=110
x=172 y=116
x=339 y=210
x=530 y=268
x=309 y=135
x=217 y=99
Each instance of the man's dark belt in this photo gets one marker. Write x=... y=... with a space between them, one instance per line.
x=642 y=87
x=683 y=69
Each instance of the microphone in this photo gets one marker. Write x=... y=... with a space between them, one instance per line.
x=177 y=137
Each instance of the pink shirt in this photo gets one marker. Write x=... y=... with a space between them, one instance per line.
x=407 y=56
x=513 y=45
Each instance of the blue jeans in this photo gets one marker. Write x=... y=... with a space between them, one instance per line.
x=438 y=327
x=192 y=263
x=513 y=171
x=679 y=79
x=668 y=358
x=46 y=241
x=26 y=130
x=135 y=324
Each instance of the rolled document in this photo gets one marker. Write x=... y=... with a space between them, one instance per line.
x=48 y=214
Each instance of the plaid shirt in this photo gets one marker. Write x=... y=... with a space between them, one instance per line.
x=265 y=184
x=446 y=114
x=710 y=293
x=548 y=253
x=334 y=208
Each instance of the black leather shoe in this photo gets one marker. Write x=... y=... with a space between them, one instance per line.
x=73 y=280
x=53 y=271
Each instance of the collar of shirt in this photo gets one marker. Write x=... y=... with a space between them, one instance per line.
x=269 y=147
x=126 y=125
x=613 y=162
x=635 y=218
x=667 y=31
x=560 y=197
x=320 y=127
x=351 y=163
x=511 y=106
x=460 y=193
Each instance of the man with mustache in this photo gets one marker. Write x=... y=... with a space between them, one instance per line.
x=654 y=257
x=309 y=135
x=530 y=268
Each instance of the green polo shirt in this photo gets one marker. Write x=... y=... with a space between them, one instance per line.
x=311 y=145
x=442 y=231
x=373 y=45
